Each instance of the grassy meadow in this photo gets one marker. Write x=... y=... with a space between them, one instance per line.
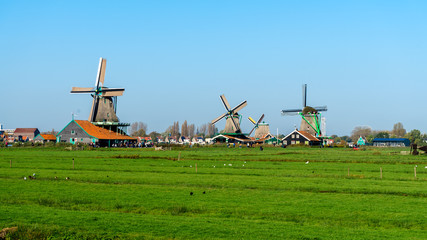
x=237 y=193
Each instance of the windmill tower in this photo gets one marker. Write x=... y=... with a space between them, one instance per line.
x=232 y=124
x=311 y=117
x=261 y=128
x=104 y=104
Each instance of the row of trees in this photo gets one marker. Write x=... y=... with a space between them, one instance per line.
x=139 y=129
x=398 y=131
x=190 y=130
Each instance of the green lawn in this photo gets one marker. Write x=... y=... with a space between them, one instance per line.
x=249 y=194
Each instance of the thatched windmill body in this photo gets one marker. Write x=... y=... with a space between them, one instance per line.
x=261 y=128
x=232 y=124
x=104 y=104
x=311 y=117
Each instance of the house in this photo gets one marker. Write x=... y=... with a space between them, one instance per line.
x=83 y=131
x=361 y=141
x=300 y=137
x=170 y=139
x=183 y=140
x=198 y=140
x=43 y=138
x=25 y=134
x=391 y=142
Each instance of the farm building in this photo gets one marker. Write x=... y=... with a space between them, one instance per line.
x=25 y=134
x=391 y=142
x=82 y=131
x=43 y=138
x=300 y=137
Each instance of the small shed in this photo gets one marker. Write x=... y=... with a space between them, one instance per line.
x=43 y=138
x=391 y=142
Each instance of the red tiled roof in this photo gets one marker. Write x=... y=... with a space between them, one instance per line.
x=309 y=136
x=49 y=137
x=25 y=130
x=101 y=133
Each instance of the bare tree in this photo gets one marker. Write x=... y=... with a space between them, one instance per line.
x=398 y=130
x=139 y=127
x=184 y=129
x=133 y=127
x=202 y=129
x=360 y=132
x=142 y=125
x=211 y=129
x=191 y=130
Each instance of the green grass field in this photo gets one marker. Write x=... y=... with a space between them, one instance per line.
x=249 y=194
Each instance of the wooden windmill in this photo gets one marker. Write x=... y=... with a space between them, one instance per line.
x=311 y=117
x=232 y=124
x=104 y=104
x=261 y=128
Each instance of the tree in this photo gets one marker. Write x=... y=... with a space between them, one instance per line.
x=133 y=127
x=398 y=130
x=382 y=134
x=202 y=129
x=154 y=135
x=211 y=130
x=184 y=129
x=139 y=133
x=191 y=130
x=137 y=127
x=359 y=131
x=416 y=137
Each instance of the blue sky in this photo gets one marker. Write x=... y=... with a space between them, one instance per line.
x=365 y=60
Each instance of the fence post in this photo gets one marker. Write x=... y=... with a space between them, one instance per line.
x=348 y=172
x=381 y=172
x=179 y=156
x=415 y=172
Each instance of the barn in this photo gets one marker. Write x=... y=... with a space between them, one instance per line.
x=300 y=137
x=391 y=142
x=82 y=131
x=25 y=134
x=43 y=138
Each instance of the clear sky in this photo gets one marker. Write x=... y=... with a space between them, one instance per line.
x=365 y=60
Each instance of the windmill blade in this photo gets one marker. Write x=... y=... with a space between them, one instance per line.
x=111 y=92
x=225 y=102
x=260 y=119
x=253 y=121
x=219 y=118
x=321 y=108
x=252 y=130
x=103 y=67
x=239 y=107
x=101 y=73
x=81 y=90
x=92 y=110
x=304 y=95
x=289 y=113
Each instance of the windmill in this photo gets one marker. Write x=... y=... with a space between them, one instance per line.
x=311 y=117
x=104 y=104
x=261 y=129
x=232 y=124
